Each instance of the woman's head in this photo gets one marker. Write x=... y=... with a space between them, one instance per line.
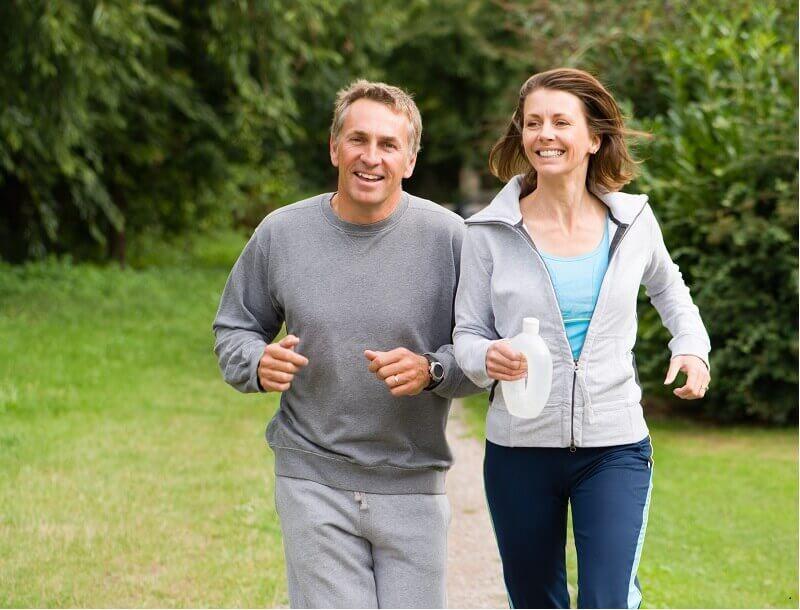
x=565 y=119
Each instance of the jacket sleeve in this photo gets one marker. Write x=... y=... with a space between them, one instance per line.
x=247 y=319
x=669 y=294
x=455 y=384
x=474 y=329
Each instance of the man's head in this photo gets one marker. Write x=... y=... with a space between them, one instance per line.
x=375 y=137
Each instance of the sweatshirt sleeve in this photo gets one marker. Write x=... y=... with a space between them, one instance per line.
x=670 y=295
x=247 y=319
x=455 y=384
x=474 y=329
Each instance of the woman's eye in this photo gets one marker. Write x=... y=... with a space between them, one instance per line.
x=532 y=124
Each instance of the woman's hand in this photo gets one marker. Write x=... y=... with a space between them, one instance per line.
x=504 y=362
x=697 y=377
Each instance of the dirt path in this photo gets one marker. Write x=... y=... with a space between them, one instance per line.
x=474 y=576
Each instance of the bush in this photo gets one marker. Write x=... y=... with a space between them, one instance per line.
x=722 y=177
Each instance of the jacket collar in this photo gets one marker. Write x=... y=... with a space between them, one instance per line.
x=623 y=207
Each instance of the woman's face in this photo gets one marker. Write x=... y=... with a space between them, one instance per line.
x=555 y=134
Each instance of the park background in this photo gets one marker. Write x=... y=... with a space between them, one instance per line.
x=141 y=142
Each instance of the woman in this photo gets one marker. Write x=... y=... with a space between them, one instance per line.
x=560 y=243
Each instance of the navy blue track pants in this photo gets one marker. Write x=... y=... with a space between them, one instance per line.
x=608 y=488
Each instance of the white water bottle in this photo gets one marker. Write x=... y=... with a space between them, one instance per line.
x=526 y=397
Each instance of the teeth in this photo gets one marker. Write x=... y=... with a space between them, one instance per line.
x=551 y=153
x=371 y=177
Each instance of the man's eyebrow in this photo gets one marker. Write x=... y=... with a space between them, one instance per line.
x=364 y=134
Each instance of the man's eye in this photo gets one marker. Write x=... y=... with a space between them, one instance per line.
x=390 y=146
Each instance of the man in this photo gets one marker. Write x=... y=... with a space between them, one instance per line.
x=364 y=279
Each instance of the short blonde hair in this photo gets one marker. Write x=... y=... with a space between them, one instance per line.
x=393 y=97
x=610 y=168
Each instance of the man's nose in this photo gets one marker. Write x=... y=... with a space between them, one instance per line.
x=370 y=156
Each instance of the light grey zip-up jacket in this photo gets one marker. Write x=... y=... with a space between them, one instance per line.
x=594 y=401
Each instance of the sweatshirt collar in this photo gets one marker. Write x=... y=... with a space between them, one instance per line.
x=623 y=207
x=357 y=229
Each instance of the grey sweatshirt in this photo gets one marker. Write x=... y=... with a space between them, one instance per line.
x=343 y=288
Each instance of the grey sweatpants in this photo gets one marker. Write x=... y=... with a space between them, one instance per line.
x=347 y=549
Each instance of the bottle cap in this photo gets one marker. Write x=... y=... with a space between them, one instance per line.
x=530 y=326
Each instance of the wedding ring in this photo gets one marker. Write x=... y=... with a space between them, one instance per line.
x=396 y=380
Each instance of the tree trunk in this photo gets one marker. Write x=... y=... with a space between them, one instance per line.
x=117 y=245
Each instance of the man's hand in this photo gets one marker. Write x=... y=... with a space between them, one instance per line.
x=403 y=371
x=279 y=363
x=697 y=377
x=505 y=363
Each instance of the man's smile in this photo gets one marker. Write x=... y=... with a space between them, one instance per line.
x=368 y=176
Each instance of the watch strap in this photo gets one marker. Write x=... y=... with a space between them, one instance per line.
x=432 y=361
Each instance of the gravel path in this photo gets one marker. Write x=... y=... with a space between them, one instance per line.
x=474 y=575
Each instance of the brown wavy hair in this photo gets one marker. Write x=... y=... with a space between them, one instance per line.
x=610 y=168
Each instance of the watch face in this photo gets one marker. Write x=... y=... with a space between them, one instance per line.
x=437 y=371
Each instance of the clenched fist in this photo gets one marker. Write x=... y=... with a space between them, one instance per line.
x=279 y=364
x=404 y=372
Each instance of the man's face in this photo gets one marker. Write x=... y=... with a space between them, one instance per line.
x=372 y=154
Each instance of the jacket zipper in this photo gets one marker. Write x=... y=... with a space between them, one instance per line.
x=612 y=249
x=521 y=230
x=572 y=448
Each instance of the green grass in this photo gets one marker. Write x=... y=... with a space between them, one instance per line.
x=723 y=526
x=133 y=476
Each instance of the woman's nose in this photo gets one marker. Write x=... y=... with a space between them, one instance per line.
x=546 y=133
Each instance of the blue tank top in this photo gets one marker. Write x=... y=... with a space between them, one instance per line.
x=577 y=281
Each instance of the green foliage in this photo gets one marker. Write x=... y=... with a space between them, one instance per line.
x=122 y=118
x=458 y=56
x=97 y=125
x=280 y=64
x=716 y=84
x=149 y=119
x=722 y=175
x=119 y=116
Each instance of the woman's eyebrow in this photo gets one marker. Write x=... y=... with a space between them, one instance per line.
x=534 y=115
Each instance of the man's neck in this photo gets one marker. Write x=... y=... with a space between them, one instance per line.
x=361 y=214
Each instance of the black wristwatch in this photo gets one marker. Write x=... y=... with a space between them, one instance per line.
x=436 y=371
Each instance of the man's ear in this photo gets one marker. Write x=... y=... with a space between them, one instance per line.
x=410 y=168
x=332 y=144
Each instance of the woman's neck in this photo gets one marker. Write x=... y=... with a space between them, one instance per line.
x=565 y=203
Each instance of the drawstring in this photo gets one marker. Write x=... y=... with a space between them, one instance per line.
x=361 y=498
